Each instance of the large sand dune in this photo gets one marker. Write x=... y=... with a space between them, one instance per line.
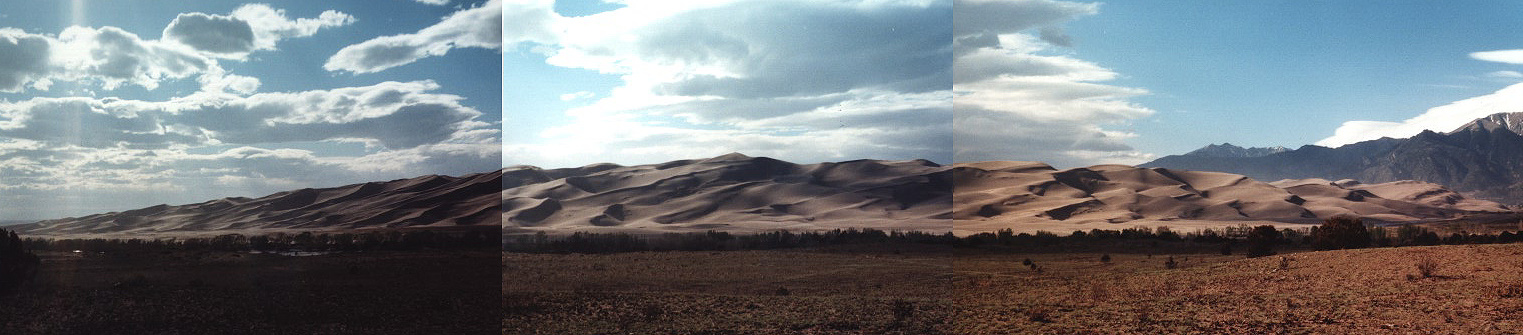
x=428 y=201
x=729 y=193
x=1030 y=196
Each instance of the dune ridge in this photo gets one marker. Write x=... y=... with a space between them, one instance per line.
x=427 y=201
x=733 y=192
x=1028 y=196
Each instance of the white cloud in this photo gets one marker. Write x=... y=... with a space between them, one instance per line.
x=577 y=95
x=394 y=115
x=433 y=2
x=1439 y=119
x=1514 y=56
x=250 y=27
x=479 y=27
x=1505 y=74
x=1019 y=100
x=112 y=57
x=797 y=80
x=24 y=59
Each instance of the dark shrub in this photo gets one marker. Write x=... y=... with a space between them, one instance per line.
x=1261 y=241
x=1227 y=248
x=1340 y=232
x=17 y=266
x=1170 y=263
x=1105 y=258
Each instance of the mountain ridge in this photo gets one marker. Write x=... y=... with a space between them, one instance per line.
x=1483 y=159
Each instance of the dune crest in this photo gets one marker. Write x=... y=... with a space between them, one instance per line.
x=427 y=201
x=999 y=195
x=732 y=192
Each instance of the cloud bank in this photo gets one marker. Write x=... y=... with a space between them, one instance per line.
x=797 y=80
x=479 y=27
x=1017 y=99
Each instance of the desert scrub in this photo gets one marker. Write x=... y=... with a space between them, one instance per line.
x=1427 y=266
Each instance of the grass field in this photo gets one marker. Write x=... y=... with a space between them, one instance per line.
x=1475 y=289
x=184 y=292
x=890 y=290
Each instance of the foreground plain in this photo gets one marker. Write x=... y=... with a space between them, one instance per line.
x=1475 y=289
x=225 y=292
x=835 y=290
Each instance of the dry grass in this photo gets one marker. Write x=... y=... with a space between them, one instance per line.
x=732 y=292
x=1345 y=291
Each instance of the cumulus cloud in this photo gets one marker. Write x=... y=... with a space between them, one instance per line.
x=392 y=115
x=1018 y=99
x=797 y=80
x=112 y=57
x=1439 y=119
x=127 y=150
x=24 y=58
x=479 y=27
x=250 y=27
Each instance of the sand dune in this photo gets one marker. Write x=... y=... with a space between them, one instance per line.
x=428 y=201
x=1029 y=196
x=732 y=192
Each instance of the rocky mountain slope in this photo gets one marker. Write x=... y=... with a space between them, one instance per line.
x=1229 y=150
x=732 y=192
x=1483 y=159
x=431 y=201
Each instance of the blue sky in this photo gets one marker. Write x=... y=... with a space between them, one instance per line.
x=647 y=81
x=113 y=105
x=1261 y=73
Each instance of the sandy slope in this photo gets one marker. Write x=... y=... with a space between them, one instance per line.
x=1029 y=196
x=732 y=192
x=434 y=201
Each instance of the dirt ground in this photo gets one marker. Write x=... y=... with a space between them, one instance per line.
x=1475 y=289
x=183 y=292
x=884 y=291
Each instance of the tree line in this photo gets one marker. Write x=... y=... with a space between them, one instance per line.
x=278 y=242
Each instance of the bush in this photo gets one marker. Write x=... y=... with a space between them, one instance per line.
x=1340 y=232
x=17 y=266
x=1105 y=258
x=1427 y=267
x=1261 y=241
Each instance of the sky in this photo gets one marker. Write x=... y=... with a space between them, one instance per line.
x=649 y=81
x=1076 y=83
x=115 y=105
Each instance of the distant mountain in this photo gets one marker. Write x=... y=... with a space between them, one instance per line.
x=1229 y=150
x=999 y=195
x=427 y=201
x=732 y=192
x=1483 y=158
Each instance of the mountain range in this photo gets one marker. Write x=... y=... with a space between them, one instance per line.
x=1482 y=159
